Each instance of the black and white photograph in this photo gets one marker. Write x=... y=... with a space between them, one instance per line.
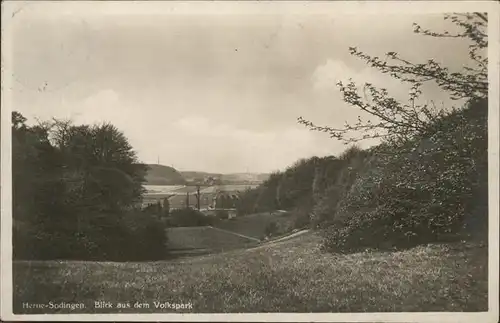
x=250 y=161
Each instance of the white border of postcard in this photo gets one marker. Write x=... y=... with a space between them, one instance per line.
x=9 y=8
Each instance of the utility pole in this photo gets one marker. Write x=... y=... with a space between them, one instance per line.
x=198 y=197
x=187 y=200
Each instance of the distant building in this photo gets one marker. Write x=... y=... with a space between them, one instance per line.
x=231 y=213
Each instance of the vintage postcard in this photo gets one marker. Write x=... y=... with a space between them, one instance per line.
x=255 y=161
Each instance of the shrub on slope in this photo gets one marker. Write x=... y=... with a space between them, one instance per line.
x=430 y=189
x=74 y=188
x=188 y=217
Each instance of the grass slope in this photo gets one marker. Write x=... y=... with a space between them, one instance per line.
x=205 y=238
x=289 y=276
x=254 y=225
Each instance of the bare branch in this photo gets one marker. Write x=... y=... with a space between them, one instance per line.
x=398 y=121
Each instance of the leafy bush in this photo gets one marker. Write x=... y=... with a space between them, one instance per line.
x=147 y=238
x=188 y=217
x=103 y=237
x=418 y=192
x=428 y=180
x=73 y=189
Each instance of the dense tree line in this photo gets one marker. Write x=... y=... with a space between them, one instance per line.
x=75 y=188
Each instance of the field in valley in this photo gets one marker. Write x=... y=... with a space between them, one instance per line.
x=288 y=276
x=236 y=233
x=206 y=238
x=183 y=189
x=254 y=225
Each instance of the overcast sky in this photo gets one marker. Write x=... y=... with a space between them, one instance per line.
x=217 y=93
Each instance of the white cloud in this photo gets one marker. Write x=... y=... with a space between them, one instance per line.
x=326 y=76
x=102 y=103
x=101 y=106
x=224 y=146
x=179 y=91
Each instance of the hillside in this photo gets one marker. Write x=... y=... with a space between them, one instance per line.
x=289 y=276
x=255 y=225
x=163 y=175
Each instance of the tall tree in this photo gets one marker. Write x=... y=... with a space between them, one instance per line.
x=101 y=169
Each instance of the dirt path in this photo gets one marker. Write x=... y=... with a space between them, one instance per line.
x=237 y=234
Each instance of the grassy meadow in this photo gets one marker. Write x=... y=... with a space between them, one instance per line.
x=288 y=276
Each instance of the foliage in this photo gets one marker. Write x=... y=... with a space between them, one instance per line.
x=297 y=187
x=348 y=167
x=302 y=187
x=260 y=199
x=428 y=177
x=247 y=200
x=72 y=188
x=154 y=210
x=100 y=167
x=424 y=191
x=188 y=217
x=146 y=237
x=296 y=183
x=268 y=200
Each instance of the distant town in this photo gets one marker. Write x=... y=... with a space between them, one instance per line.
x=206 y=192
